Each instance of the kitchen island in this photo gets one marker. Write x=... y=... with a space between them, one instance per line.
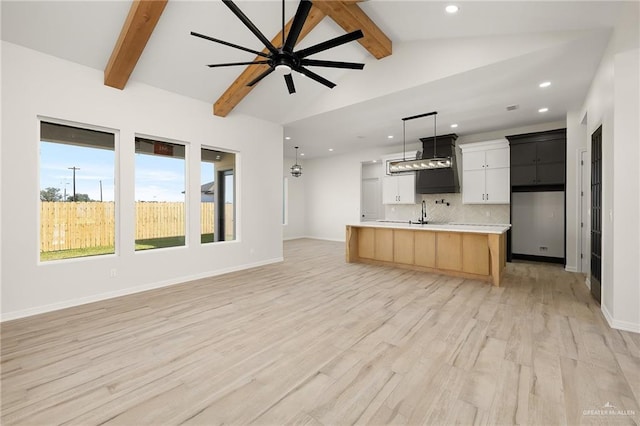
x=468 y=251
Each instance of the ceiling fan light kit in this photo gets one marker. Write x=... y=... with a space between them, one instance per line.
x=284 y=59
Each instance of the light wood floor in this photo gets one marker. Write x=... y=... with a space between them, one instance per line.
x=317 y=341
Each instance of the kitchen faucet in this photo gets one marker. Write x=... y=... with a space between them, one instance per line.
x=423 y=214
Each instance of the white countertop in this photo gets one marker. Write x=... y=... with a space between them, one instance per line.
x=444 y=227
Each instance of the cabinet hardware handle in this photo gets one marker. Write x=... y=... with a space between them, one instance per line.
x=483 y=197
x=487 y=197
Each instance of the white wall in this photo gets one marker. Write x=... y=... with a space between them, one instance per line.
x=39 y=85
x=612 y=102
x=626 y=191
x=296 y=216
x=332 y=186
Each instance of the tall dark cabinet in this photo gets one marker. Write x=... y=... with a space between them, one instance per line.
x=538 y=159
x=538 y=202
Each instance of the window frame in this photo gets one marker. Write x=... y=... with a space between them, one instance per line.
x=187 y=148
x=116 y=190
x=236 y=186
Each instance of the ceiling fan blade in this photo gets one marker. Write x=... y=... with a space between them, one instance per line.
x=334 y=42
x=312 y=75
x=226 y=43
x=290 y=85
x=298 y=22
x=332 y=64
x=247 y=22
x=230 y=64
x=260 y=77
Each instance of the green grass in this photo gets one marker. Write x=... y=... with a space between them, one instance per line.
x=152 y=243
x=68 y=254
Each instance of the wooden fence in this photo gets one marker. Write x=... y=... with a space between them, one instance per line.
x=76 y=225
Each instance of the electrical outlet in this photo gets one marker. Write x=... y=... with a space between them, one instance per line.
x=543 y=248
x=113 y=273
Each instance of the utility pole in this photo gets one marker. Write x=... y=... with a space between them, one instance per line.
x=74 y=168
x=100 y=190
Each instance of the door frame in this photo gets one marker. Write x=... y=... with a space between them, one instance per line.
x=583 y=198
x=596 y=217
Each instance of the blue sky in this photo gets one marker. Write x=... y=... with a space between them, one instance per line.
x=158 y=178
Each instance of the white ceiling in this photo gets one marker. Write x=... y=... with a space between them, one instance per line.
x=367 y=105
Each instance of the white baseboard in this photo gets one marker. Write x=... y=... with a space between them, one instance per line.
x=587 y=281
x=570 y=268
x=617 y=324
x=317 y=238
x=337 y=240
x=127 y=291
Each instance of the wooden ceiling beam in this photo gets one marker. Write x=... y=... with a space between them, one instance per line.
x=350 y=17
x=136 y=31
x=239 y=89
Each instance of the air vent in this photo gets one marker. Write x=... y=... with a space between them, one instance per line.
x=512 y=107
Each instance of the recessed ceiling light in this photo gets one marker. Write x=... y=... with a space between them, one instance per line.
x=374 y=161
x=330 y=149
x=390 y=137
x=545 y=84
x=453 y=126
x=543 y=110
x=302 y=155
x=288 y=138
x=452 y=8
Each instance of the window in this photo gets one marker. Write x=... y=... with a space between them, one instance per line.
x=77 y=192
x=217 y=196
x=160 y=194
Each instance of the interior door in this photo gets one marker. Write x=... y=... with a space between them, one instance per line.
x=370 y=199
x=596 y=213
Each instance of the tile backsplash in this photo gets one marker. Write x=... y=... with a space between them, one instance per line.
x=454 y=212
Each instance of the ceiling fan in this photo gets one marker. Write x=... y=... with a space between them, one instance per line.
x=284 y=59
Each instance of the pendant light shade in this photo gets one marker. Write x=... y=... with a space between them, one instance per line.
x=296 y=169
x=435 y=162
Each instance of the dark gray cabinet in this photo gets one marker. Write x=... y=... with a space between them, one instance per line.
x=538 y=159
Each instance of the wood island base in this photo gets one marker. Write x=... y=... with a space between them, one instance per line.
x=456 y=252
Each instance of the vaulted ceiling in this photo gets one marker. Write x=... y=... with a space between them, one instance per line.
x=468 y=66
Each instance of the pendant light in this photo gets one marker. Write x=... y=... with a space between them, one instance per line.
x=296 y=169
x=425 y=163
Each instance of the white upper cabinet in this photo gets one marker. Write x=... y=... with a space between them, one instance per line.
x=401 y=188
x=485 y=172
